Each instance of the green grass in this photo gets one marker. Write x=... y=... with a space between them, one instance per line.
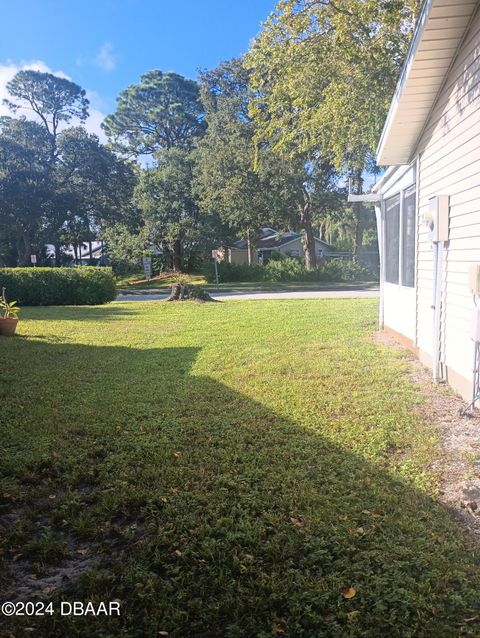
x=136 y=283
x=229 y=469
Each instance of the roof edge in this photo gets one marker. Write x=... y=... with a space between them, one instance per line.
x=414 y=44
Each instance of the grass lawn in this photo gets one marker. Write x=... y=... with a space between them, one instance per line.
x=228 y=470
x=136 y=283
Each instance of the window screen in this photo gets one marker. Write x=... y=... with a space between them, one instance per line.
x=408 y=237
x=392 y=238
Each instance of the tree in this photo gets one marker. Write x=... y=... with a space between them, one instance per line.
x=248 y=184
x=307 y=192
x=93 y=187
x=125 y=246
x=162 y=111
x=54 y=100
x=164 y=195
x=25 y=185
x=225 y=177
x=57 y=184
x=323 y=73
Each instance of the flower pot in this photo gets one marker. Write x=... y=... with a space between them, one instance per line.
x=8 y=326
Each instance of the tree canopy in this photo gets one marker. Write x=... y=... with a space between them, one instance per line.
x=162 y=111
x=54 y=100
x=323 y=73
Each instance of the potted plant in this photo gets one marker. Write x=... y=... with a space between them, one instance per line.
x=8 y=316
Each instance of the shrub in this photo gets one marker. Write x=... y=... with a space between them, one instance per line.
x=341 y=270
x=290 y=269
x=85 y=285
x=233 y=272
x=287 y=269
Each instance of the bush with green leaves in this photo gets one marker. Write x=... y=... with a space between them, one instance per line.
x=125 y=248
x=290 y=269
x=233 y=272
x=287 y=269
x=340 y=270
x=84 y=285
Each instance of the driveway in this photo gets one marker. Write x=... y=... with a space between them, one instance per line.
x=142 y=295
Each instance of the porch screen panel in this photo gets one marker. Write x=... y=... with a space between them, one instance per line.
x=392 y=239
x=408 y=236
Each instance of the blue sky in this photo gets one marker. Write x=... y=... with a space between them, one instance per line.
x=105 y=45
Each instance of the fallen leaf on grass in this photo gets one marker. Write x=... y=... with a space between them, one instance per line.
x=348 y=592
x=299 y=524
x=352 y=616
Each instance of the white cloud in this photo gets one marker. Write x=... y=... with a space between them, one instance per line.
x=9 y=69
x=105 y=58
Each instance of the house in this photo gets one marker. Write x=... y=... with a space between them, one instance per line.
x=428 y=200
x=269 y=240
x=83 y=256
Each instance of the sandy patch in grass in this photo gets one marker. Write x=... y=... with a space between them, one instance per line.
x=459 y=463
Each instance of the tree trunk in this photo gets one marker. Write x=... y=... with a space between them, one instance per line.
x=250 y=247
x=177 y=256
x=308 y=239
x=357 y=210
x=57 y=254
x=90 y=261
x=24 y=250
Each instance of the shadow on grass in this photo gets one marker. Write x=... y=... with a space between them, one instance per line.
x=207 y=514
x=77 y=313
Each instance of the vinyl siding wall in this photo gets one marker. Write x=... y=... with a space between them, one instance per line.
x=449 y=164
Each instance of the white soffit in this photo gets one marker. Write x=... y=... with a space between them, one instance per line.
x=440 y=30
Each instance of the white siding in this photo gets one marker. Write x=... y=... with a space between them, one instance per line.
x=449 y=164
x=399 y=309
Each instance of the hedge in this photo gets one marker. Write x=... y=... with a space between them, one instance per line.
x=289 y=269
x=85 y=285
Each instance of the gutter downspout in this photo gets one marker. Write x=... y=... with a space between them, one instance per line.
x=436 y=306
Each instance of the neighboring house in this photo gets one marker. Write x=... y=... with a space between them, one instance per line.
x=84 y=258
x=288 y=244
x=428 y=200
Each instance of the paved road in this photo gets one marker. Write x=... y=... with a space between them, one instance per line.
x=306 y=294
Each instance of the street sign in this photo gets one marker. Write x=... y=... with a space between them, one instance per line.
x=33 y=259
x=147 y=267
x=216 y=259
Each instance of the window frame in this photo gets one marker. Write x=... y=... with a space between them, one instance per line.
x=401 y=193
x=403 y=236
x=389 y=225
